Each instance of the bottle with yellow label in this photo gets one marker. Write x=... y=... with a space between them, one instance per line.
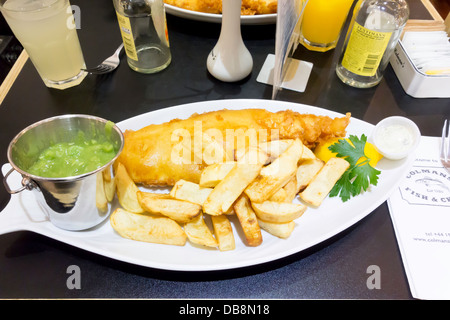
x=371 y=39
x=144 y=33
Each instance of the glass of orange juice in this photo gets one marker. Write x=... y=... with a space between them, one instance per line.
x=47 y=31
x=322 y=23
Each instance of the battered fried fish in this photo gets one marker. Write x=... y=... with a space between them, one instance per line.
x=164 y=153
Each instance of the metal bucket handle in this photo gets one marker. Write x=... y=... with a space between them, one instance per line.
x=27 y=183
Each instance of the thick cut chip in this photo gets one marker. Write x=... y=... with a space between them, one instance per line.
x=110 y=184
x=142 y=227
x=324 y=180
x=179 y=210
x=307 y=154
x=213 y=174
x=306 y=171
x=278 y=212
x=286 y=193
x=198 y=232
x=230 y=188
x=275 y=175
x=248 y=221
x=280 y=230
x=127 y=190
x=223 y=232
x=100 y=196
x=279 y=196
x=291 y=189
x=190 y=191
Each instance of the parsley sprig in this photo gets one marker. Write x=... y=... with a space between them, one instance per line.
x=360 y=175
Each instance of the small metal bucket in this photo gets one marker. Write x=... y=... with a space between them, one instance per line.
x=75 y=202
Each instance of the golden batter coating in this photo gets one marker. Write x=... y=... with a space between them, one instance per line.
x=249 y=7
x=162 y=154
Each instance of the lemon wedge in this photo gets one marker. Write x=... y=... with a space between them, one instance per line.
x=323 y=153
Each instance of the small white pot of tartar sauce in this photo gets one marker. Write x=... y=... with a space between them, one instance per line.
x=396 y=137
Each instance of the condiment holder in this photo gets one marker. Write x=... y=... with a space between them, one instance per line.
x=230 y=59
x=71 y=203
x=396 y=137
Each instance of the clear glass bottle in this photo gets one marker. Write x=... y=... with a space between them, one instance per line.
x=372 y=36
x=143 y=27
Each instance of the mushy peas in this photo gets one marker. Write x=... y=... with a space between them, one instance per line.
x=67 y=159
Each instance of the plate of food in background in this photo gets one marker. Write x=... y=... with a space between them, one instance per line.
x=253 y=12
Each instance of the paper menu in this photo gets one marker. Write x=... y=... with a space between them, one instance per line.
x=420 y=213
x=281 y=70
x=289 y=15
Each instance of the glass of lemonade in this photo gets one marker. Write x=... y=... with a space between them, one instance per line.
x=47 y=31
x=322 y=23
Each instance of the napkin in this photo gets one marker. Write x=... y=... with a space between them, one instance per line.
x=429 y=51
x=420 y=213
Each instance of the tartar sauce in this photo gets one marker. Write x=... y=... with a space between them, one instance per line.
x=395 y=139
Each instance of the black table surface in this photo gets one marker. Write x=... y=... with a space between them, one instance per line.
x=34 y=266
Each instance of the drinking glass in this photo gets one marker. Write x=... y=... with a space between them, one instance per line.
x=47 y=31
x=322 y=23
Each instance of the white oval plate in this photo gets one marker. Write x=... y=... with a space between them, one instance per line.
x=217 y=18
x=315 y=226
